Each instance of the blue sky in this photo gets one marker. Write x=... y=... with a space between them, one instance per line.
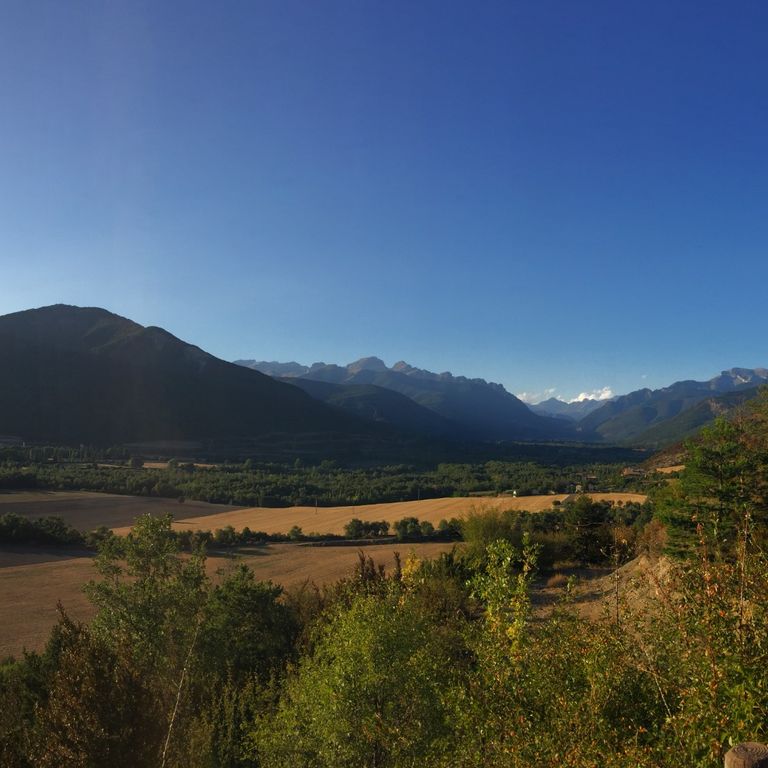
x=554 y=195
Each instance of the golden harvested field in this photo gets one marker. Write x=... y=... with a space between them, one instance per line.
x=34 y=580
x=31 y=587
x=290 y=564
x=333 y=519
x=670 y=470
x=22 y=497
x=86 y=511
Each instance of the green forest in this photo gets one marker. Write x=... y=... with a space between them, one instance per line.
x=250 y=483
x=442 y=662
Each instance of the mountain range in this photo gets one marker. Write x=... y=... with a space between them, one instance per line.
x=574 y=410
x=449 y=405
x=483 y=410
x=637 y=417
x=71 y=375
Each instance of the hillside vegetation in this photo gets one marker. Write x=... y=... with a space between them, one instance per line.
x=433 y=663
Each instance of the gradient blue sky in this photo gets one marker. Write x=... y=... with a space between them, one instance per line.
x=566 y=195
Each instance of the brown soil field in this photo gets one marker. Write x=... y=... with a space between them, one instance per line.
x=670 y=470
x=333 y=519
x=86 y=511
x=34 y=580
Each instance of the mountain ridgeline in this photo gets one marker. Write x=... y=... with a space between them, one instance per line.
x=72 y=375
x=457 y=406
x=436 y=403
x=659 y=417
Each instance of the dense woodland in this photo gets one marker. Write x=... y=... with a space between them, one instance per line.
x=251 y=483
x=435 y=663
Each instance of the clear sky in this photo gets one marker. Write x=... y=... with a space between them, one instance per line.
x=568 y=195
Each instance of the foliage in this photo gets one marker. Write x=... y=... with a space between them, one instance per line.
x=372 y=692
x=440 y=663
x=359 y=529
x=15 y=529
x=272 y=484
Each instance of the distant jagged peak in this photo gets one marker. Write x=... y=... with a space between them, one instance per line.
x=745 y=375
x=402 y=367
x=275 y=368
x=372 y=364
x=367 y=364
x=409 y=370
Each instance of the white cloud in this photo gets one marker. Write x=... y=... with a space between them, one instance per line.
x=536 y=397
x=606 y=393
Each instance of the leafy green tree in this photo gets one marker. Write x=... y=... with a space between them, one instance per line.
x=407 y=528
x=588 y=525
x=99 y=710
x=426 y=529
x=373 y=692
x=354 y=529
x=295 y=534
x=246 y=630
x=149 y=598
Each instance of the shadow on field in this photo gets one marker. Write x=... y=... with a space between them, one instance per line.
x=11 y=556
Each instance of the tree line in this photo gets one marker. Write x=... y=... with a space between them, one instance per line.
x=280 y=485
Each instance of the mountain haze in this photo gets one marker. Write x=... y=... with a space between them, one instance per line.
x=481 y=410
x=575 y=410
x=378 y=404
x=629 y=417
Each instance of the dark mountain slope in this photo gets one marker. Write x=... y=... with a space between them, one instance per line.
x=380 y=405
x=690 y=421
x=70 y=374
x=628 y=417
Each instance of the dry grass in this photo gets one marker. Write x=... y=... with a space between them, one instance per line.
x=595 y=587
x=556 y=580
x=42 y=497
x=290 y=564
x=333 y=519
x=34 y=580
x=31 y=589
x=670 y=470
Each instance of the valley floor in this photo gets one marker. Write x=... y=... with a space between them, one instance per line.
x=35 y=579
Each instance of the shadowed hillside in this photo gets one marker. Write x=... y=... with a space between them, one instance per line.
x=70 y=375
